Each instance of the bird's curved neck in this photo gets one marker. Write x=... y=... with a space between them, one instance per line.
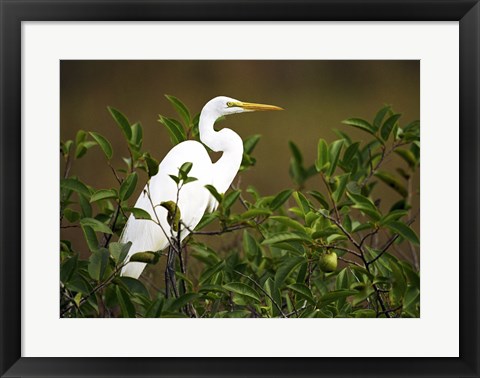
x=226 y=141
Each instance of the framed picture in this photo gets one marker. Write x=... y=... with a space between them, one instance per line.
x=316 y=222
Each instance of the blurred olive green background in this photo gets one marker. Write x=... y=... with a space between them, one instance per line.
x=316 y=95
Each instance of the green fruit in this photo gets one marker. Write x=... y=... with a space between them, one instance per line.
x=148 y=257
x=174 y=214
x=328 y=262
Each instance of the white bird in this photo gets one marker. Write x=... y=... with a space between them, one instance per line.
x=193 y=199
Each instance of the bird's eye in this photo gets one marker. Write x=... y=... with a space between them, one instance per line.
x=230 y=104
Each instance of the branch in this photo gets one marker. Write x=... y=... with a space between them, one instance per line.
x=343 y=249
x=390 y=310
x=350 y=261
x=219 y=232
x=390 y=242
x=371 y=233
x=119 y=180
x=264 y=291
x=362 y=256
x=97 y=288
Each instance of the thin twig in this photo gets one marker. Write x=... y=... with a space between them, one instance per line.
x=114 y=173
x=264 y=291
x=390 y=310
x=343 y=249
x=362 y=256
x=389 y=243
x=108 y=237
x=371 y=233
x=97 y=288
x=350 y=261
x=298 y=310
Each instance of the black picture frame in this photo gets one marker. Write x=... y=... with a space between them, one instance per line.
x=13 y=12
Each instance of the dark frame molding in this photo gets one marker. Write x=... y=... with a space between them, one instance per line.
x=13 y=12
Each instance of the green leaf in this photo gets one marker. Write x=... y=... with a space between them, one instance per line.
x=364 y=292
x=175 y=178
x=364 y=313
x=250 y=143
x=103 y=194
x=359 y=124
x=280 y=199
x=341 y=186
x=250 y=246
x=128 y=186
x=302 y=202
x=97 y=264
x=174 y=128
x=408 y=156
x=297 y=155
x=155 y=310
x=399 y=285
x=252 y=213
x=137 y=136
x=121 y=121
x=242 y=289
x=377 y=122
x=392 y=182
x=350 y=152
x=152 y=165
x=67 y=268
x=66 y=147
x=320 y=198
x=322 y=155
x=206 y=220
x=90 y=237
x=126 y=305
x=303 y=290
x=343 y=279
x=75 y=185
x=85 y=206
x=289 y=222
x=285 y=269
x=405 y=231
x=138 y=213
x=180 y=107
x=133 y=285
x=213 y=191
x=96 y=225
x=186 y=168
x=103 y=143
x=365 y=205
x=148 y=257
x=393 y=216
x=388 y=126
x=119 y=251
x=333 y=296
x=80 y=137
x=230 y=199
x=286 y=236
x=182 y=301
x=269 y=287
x=83 y=147
x=71 y=215
x=334 y=153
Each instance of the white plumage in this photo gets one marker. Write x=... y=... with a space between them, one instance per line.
x=193 y=199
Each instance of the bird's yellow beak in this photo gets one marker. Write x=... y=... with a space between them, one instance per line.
x=249 y=106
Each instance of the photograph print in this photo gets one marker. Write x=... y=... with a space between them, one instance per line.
x=239 y=189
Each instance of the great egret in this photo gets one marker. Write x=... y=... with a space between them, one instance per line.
x=193 y=199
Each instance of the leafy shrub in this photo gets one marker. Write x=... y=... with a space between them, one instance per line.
x=326 y=252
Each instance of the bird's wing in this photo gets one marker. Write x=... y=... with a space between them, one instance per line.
x=192 y=201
